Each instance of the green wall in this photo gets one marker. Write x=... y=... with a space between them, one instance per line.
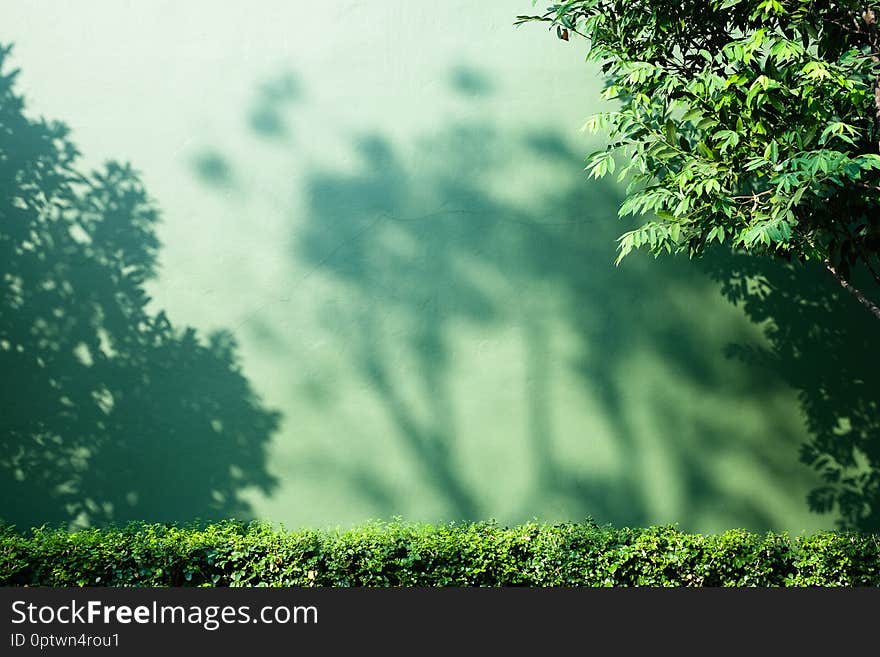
x=383 y=204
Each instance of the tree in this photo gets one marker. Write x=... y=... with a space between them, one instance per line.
x=754 y=123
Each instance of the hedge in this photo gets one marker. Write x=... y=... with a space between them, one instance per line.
x=398 y=554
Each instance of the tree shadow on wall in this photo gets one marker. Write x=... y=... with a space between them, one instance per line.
x=435 y=234
x=427 y=246
x=418 y=244
x=825 y=345
x=109 y=412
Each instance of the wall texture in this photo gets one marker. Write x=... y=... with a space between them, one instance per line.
x=382 y=204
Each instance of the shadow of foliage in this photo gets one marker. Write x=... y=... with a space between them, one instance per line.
x=824 y=344
x=433 y=239
x=267 y=114
x=109 y=412
x=470 y=81
x=420 y=243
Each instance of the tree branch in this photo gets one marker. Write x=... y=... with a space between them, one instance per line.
x=849 y=287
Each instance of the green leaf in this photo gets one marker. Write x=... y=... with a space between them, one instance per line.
x=694 y=114
x=670 y=132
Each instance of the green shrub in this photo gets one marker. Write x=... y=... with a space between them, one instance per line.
x=399 y=554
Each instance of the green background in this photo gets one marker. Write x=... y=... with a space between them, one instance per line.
x=384 y=203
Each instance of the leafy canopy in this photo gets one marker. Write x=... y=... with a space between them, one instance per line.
x=747 y=122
